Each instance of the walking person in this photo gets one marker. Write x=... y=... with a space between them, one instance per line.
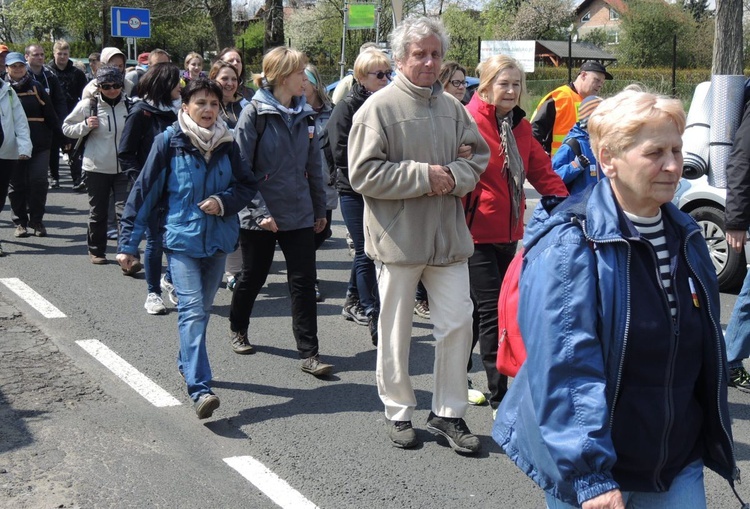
x=276 y=137
x=232 y=56
x=193 y=67
x=404 y=160
x=101 y=120
x=158 y=89
x=28 y=184
x=195 y=174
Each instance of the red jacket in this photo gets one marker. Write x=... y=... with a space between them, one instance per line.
x=488 y=207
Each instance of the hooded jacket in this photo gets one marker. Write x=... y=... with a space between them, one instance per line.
x=40 y=113
x=488 y=207
x=396 y=135
x=338 y=133
x=177 y=178
x=564 y=162
x=144 y=123
x=17 y=137
x=286 y=163
x=558 y=419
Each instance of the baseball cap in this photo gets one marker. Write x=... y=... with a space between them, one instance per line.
x=14 y=58
x=4 y=48
x=596 y=67
x=143 y=58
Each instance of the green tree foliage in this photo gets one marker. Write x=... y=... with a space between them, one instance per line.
x=251 y=44
x=648 y=28
x=698 y=9
x=527 y=20
x=597 y=36
x=464 y=28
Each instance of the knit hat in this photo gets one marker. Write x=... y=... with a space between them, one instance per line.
x=14 y=58
x=586 y=108
x=109 y=74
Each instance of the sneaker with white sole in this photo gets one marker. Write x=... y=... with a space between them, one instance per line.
x=422 y=309
x=402 y=434
x=353 y=311
x=154 y=305
x=206 y=404
x=455 y=431
x=168 y=288
x=476 y=397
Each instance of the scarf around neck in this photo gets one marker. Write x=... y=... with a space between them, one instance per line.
x=512 y=164
x=205 y=140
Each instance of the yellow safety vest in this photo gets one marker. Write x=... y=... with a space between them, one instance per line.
x=567 y=101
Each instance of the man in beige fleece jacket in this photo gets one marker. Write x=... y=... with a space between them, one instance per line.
x=404 y=159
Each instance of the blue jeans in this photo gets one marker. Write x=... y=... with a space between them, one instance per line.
x=153 y=255
x=687 y=492
x=196 y=281
x=363 y=269
x=737 y=337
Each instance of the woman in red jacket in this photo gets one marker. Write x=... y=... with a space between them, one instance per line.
x=495 y=209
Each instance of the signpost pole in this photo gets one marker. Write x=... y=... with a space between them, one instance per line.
x=342 y=63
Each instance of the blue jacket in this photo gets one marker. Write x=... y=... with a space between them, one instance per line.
x=286 y=164
x=177 y=178
x=555 y=421
x=576 y=177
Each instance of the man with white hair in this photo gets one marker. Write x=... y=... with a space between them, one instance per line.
x=407 y=159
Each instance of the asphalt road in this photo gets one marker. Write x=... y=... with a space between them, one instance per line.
x=79 y=436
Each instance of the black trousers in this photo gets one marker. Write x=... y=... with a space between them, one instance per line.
x=28 y=189
x=258 y=249
x=99 y=187
x=7 y=167
x=487 y=267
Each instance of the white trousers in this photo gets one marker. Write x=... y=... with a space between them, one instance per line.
x=451 y=315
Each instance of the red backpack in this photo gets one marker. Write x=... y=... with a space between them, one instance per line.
x=511 y=352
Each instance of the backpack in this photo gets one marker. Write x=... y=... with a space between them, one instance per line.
x=511 y=351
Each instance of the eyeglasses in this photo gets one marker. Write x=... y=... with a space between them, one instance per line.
x=108 y=86
x=459 y=83
x=380 y=74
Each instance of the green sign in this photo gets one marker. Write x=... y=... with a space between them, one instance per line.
x=361 y=16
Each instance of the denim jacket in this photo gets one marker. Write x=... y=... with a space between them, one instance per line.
x=555 y=422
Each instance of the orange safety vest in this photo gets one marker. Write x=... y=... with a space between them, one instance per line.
x=567 y=101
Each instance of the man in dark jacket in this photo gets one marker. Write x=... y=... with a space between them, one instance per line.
x=72 y=81
x=737 y=221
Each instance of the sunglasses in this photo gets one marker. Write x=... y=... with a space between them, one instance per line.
x=459 y=83
x=380 y=74
x=108 y=86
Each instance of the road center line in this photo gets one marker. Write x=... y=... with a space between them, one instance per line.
x=142 y=384
x=274 y=487
x=35 y=300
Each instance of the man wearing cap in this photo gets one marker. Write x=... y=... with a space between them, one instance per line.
x=558 y=111
x=3 y=53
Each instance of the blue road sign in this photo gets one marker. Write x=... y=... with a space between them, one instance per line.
x=129 y=22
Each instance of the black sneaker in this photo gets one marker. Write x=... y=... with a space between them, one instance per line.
x=372 y=326
x=739 y=378
x=455 y=431
x=240 y=344
x=353 y=311
x=205 y=405
x=402 y=434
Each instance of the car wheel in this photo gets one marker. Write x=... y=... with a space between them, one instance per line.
x=729 y=265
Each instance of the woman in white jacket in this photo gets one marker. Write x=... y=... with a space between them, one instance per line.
x=15 y=142
x=102 y=119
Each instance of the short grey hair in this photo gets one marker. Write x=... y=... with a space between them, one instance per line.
x=416 y=29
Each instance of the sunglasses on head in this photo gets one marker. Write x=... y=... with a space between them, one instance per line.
x=380 y=74
x=110 y=86
x=458 y=83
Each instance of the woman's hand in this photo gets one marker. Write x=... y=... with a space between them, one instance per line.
x=609 y=500
x=736 y=239
x=320 y=223
x=464 y=152
x=268 y=224
x=125 y=260
x=210 y=206
x=92 y=122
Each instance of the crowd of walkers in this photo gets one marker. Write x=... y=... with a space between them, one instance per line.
x=215 y=172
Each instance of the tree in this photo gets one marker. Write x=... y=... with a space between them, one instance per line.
x=597 y=36
x=463 y=27
x=527 y=20
x=697 y=8
x=274 y=24
x=728 y=40
x=220 y=12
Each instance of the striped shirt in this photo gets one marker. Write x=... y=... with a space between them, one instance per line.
x=652 y=230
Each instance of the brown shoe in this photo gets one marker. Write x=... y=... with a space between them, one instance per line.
x=313 y=366
x=133 y=270
x=97 y=260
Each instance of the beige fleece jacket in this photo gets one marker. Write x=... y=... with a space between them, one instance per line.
x=395 y=136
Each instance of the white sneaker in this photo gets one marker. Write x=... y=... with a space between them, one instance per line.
x=154 y=305
x=168 y=288
x=475 y=397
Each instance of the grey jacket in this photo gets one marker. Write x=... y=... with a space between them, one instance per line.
x=286 y=163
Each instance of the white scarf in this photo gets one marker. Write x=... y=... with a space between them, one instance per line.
x=205 y=140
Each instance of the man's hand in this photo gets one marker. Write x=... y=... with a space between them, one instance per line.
x=609 y=500
x=268 y=224
x=441 y=181
x=210 y=206
x=736 y=239
x=320 y=223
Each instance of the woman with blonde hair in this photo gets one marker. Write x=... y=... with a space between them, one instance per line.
x=193 y=67
x=275 y=136
x=495 y=209
x=225 y=74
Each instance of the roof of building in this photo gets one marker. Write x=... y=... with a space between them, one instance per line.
x=617 y=5
x=579 y=51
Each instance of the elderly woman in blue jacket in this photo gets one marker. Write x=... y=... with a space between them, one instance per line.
x=623 y=397
x=195 y=175
x=276 y=135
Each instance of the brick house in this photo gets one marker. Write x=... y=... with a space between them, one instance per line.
x=602 y=14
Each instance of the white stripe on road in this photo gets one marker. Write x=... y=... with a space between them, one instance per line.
x=128 y=374
x=269 y=483
x=35 y=300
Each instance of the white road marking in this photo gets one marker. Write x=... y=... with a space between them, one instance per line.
x=275 y=488
x=35 y=300
x=142 y=384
